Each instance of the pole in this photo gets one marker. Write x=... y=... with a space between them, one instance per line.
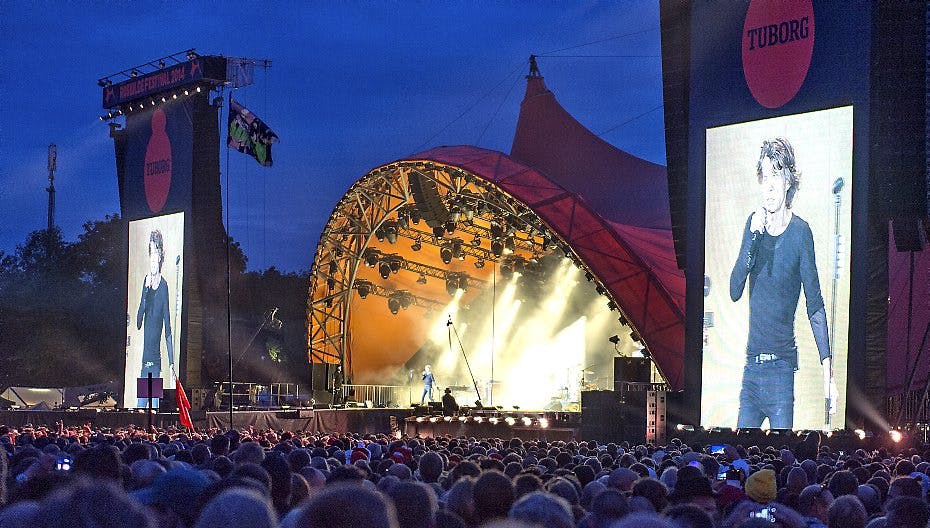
x=149 y=404
x=451 y=328
x=228 y=287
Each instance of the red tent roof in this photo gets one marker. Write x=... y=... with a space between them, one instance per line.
x=630 y=261
x=630 y=198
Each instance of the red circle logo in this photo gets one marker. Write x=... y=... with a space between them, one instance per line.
x=778 y=41
x=157 y=168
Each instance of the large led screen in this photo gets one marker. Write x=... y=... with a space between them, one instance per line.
x=776 y=284
x=153 y=314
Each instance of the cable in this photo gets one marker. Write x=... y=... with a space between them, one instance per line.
x=600 y=40
x=467 y=110
x=497 y=110
x=630 y=120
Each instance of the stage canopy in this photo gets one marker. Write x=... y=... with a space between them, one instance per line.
x=432 y=232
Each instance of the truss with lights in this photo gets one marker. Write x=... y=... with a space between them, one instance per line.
x=424 y=210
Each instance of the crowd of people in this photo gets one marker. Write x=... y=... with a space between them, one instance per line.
x=87 y=477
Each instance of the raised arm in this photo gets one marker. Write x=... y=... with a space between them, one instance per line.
x=744 y=262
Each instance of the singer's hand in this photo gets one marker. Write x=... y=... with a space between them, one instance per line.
x=148 y=281
x=759 y=221
x=834 y=395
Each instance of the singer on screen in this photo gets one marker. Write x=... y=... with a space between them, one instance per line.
x=154 y=310
x=777 y=257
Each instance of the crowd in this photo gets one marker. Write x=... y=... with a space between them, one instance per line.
x=86 y=477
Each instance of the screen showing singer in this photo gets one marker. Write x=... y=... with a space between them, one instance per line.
x=777 y=213
x=153 y=318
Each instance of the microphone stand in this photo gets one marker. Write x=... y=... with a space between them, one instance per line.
x=837 y=198
x=450 y=328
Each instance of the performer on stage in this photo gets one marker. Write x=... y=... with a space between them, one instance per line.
x=777 y=256
x=449 y=405
x=429 y=380
x=154 y=312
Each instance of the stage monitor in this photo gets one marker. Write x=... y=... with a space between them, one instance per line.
x=776 y=283
x=153 y=313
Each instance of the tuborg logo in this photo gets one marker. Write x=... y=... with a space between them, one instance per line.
x=157 y=169
x=777 y=43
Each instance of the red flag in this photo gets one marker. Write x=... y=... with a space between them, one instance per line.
x=184 y=407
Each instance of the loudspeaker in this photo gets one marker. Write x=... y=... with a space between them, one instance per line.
x=898 y=108
x=656 y=423
x=601 y=417
x=197 y=398
x=429 y=203
x=631 y=369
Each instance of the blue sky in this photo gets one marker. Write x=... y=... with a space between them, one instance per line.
x=353 y=85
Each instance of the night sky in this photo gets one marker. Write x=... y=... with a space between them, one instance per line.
x=353 y=85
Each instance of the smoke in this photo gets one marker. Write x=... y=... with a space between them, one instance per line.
x=534 y=340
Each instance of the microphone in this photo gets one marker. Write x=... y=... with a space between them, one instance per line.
x=177 y=261
x=838 y=185
x=449 y=322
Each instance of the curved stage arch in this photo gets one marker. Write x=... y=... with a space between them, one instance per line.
x=486 y=197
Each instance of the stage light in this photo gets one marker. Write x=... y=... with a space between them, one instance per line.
x=527 y=421
x=450 y=226
x=463 y=282
x=161 y=63
x=433 y=419
x=384 y=269
x=507 y=270
x=860 y=433
x=102 y=82
x=476 y=241
x=447 y=418
x=395 y=264
x=494 y=420
x=438 y=232
x=615 y=339
x=544 y=423
x=463 y=418
x=198 y=89
x=478 y=419
x=405 y=299
x=895 y=435
x=497 y=248
x=390 y=232
x=452 y=284
x=186 y=92
x=457 y=250
x=446 y=254
x=623 y=320
x=419 y=419
x=379 y=234
x=600 y=290
x=635 y=337
x=684 y=427
x=479 y=264
x=134 y=73
x=415 y=216
x=330 y=284
x=163 y=99
x=363 y=287
x=510 y=420
x=611 y=306
x=416 y=246
x=422 y=279
x=393 y=305
x=496 y=230
x=588 y=276
x=371 y=257
x=153 y=102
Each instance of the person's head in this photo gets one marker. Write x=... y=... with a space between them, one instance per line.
x=905 y=487
x=448 y=390
x=689 y=516
x=156 y=252
x=426 y=369
x=415 y=503
x=906 y=512
x=493 y=496
x=346 y=506
x=238 y=508
x=93 y=503
x=814 y=501
x=543 y=509
x=843 y=482
x=846 y=512
x=777 y=174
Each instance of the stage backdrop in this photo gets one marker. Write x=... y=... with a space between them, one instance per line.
x=153 y=314
x=822 y=143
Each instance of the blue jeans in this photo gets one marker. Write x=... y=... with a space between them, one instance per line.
x=427 y=391
x=768 y=392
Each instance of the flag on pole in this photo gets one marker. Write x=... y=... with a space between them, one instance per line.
x=249 y=134
x=184 y=406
